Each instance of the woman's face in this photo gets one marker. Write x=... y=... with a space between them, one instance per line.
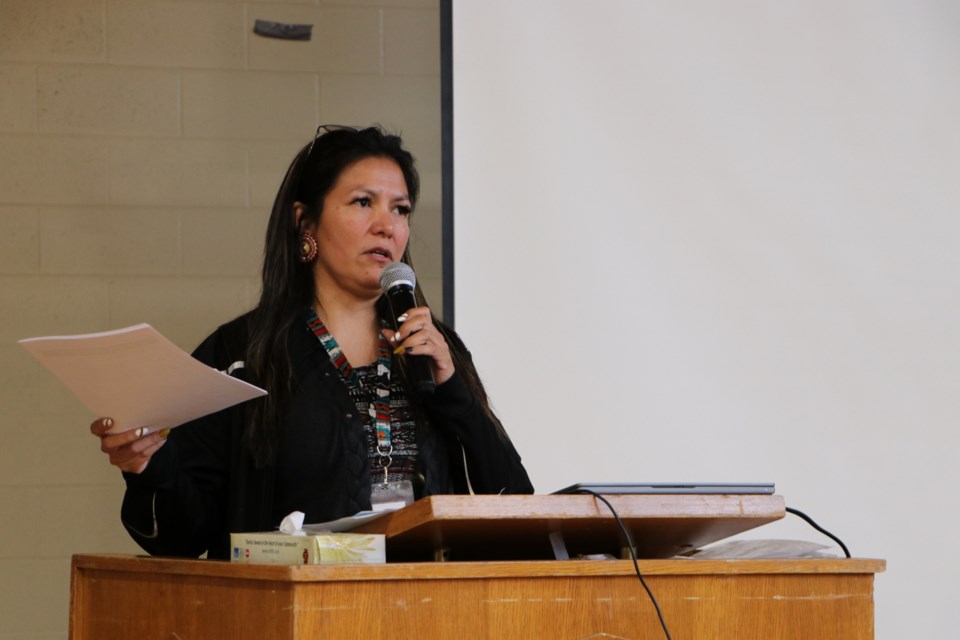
x=364 y=226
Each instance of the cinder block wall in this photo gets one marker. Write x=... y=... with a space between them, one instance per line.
x=141 y=144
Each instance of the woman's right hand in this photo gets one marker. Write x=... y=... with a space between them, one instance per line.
x=129 y=451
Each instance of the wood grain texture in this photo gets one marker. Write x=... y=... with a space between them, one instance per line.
x=517 y=527
x=146 y=598
x=448 y=570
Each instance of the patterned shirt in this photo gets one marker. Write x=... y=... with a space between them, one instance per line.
x=402 y=428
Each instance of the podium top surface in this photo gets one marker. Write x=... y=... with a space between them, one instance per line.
x=466 y=570
x=519 y=527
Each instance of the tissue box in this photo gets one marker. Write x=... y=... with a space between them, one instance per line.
x=275 y=547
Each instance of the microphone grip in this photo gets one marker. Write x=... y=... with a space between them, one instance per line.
x=401 y=299
x=418 y=368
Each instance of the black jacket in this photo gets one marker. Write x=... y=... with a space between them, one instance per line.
x=202 y=484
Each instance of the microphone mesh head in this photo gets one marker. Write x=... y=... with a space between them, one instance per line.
x=397 y=273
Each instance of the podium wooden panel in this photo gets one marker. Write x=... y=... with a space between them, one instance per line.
x=519 y=527
x=141 y=598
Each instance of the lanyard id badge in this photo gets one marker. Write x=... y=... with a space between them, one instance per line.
x=379 y=397
x=385 y=494
x=391 y=495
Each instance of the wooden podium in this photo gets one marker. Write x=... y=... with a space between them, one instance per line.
x=165 y=599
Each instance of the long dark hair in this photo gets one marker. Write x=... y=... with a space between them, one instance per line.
x=288 y=286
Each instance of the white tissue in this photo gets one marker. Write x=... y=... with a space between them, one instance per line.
x=293 y=524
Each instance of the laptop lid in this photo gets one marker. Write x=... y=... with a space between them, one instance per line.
x=615 y=488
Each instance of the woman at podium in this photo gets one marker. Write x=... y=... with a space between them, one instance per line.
x=350 y=423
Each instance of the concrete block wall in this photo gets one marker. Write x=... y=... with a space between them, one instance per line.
x=141 y=145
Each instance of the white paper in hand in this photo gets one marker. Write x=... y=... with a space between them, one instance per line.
x=137 y=377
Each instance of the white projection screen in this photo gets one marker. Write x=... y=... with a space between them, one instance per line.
x=718 y=241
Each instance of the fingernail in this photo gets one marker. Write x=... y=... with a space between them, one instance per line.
x=402 y=317
x=409 y=349
x=142 y=431
x=164 y=433
x=393 y=338
x=108 y=422
x=399 y=350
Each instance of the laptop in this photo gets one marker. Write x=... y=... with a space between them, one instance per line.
x=626 y=488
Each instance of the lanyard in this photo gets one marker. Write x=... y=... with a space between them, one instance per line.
x=379 y=399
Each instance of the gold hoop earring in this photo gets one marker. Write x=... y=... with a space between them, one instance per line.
x=308 y=248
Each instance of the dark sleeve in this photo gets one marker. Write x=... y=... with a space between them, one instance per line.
x=176 y=505
x=492 y=463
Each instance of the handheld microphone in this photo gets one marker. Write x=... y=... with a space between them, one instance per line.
x=398 y=281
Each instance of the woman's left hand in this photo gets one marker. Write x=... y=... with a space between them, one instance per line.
x=418 y=336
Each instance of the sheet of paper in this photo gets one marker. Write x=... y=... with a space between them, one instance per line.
x=137 y=377
x=348 y=523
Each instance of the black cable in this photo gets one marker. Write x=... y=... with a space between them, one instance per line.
x=633 y=555
x=820 y=529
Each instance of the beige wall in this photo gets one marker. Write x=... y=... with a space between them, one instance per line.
x=141 y=144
